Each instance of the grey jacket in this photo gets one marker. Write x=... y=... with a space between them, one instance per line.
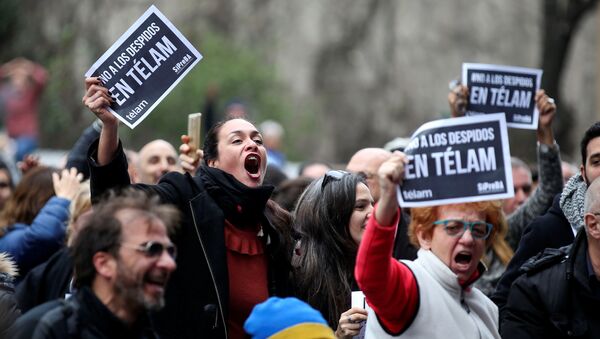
x=550 y=184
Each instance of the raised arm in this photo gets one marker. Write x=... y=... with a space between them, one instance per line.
x=390 y=287
x=549 y=168
x=189 y=158
x=98 y=99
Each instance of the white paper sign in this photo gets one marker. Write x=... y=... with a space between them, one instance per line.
x=457 y=160
x=144 y=65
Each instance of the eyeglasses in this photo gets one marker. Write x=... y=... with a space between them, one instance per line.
x=525 y=188
x=333 y=175
x=154 y=249
x=456 y=228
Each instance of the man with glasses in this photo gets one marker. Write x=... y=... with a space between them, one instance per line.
x=559 y=294
x=123 y=259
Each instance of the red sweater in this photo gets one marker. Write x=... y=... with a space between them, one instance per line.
x=389 y=286
x=248 y=269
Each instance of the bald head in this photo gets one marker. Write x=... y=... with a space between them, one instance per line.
x=156 y=158
x=591 y=207
x=592 y=198
x=367 y=161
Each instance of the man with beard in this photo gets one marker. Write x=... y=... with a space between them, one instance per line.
x=122 y=259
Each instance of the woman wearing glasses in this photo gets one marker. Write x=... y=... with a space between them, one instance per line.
x=330 y=217
x=432 y=296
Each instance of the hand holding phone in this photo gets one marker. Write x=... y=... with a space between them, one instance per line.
x=194 y=126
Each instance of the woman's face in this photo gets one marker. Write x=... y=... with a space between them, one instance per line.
x=241 y=152
x=460 y=253
x=363 y=207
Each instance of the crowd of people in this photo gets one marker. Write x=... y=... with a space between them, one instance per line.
x=220 y=242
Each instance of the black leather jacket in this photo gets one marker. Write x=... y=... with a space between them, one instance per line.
x=555 y=297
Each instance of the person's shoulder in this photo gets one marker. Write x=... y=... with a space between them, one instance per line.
x=57 y=310
x=61 y=313
x=554 y=213
x=45 y=319
x=545 y=261
x=177 y=178
x=553 y=220
x=14 y=231
x=184 y=184
x=35 y=314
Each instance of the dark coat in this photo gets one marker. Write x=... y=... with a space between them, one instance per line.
x=85 y=317
x=26 y=323
x=555 y=297
x=46 y=282
x=403 y=249
x=9 y=311
x=551 y=230
x=197 y=296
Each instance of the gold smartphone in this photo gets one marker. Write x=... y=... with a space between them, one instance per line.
x=194 y=125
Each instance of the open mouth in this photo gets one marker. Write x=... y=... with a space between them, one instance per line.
x=463 y=258
x=252 y=164
x=157 y=280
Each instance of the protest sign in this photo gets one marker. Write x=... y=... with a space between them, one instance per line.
x=507 y=89
x=144 y=65
x=457 y=160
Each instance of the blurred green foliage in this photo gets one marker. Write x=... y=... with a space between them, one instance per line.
x=236 y=74
x=233 y=72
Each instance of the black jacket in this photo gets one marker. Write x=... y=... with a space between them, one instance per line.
x=46 y=282
x=555 y=297
x=403 y=249
x=26 y=323
x=85 y=317
x=78 y=154
x=9 y=311
x=197 y=296
x=551 y=230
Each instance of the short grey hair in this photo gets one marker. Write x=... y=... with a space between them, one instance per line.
x=518 y=163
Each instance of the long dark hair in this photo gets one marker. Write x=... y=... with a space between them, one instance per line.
x=327 y=252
